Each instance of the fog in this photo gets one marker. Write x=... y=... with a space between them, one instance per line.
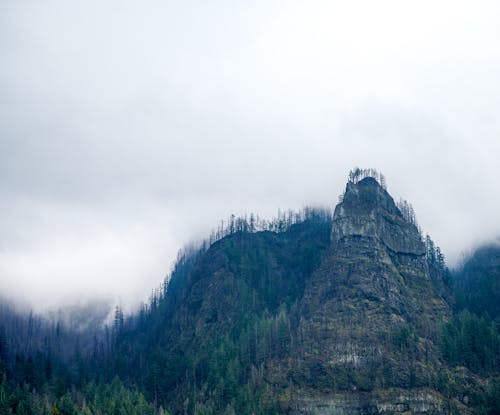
x=128 y=129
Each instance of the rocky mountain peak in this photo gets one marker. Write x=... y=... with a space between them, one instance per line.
x=367 y=194
x=372 y=287
x=368 y=211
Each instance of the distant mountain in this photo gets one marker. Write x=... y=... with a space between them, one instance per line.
x=478 y=282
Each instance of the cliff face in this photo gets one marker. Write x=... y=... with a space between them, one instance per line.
x=375 y=273
x=368 y=211
x=370 y=314
x=387 y=402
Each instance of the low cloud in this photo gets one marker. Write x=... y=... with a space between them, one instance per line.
x=127 y=130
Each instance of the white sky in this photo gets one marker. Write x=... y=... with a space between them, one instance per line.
x=129 y=128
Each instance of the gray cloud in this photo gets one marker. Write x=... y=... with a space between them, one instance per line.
x=128 y=129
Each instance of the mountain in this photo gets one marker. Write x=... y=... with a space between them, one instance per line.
x=371 y=313
x=337 y=315
x=347 y=312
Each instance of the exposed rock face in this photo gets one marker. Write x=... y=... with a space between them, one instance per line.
x=370 y=314
x=387 y=402
x=376 y=267
x=368 y=211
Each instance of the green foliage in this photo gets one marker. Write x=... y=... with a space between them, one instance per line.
x=103 y=399
x=5 y=397
x=471 y=341
x=404 y=338
x=491 y=402
x=233 y=361
x=477 y=283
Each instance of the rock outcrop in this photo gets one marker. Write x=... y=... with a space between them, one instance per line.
x=370 y=315
x=368 y=211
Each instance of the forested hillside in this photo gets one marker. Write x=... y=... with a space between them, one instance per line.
x=347 y=312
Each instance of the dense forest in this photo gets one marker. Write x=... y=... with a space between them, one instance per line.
x=53 y=366
x=182 y=352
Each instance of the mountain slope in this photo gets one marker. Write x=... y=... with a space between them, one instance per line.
x=340 y=316
x=224 y=310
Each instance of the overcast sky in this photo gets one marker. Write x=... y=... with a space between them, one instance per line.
x=128 y=129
